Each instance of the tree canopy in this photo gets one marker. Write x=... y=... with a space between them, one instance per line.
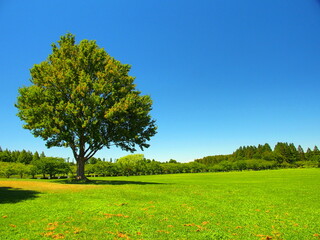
x=82 y=98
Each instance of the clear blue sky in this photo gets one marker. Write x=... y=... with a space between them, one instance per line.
x=222 y=74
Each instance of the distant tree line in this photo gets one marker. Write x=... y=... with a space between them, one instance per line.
x=136 y=164
x=25 y=163
x=25 y=157
x=284 y=155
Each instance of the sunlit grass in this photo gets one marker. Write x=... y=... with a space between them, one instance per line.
x=278 y=204
x=42 y=186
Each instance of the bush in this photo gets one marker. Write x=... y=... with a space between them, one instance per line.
x=51 y=166
x=7 y=169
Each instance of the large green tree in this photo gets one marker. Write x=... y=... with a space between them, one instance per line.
x=82 y=98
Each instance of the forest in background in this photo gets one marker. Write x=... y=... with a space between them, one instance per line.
x=284 y=155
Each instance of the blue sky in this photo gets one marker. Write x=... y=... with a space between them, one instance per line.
x=222 y=74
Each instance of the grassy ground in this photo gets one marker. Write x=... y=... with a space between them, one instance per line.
x=277 y=204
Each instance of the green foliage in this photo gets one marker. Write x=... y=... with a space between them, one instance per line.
x=94 y=160
x=36 y=156
x=250 y=152
x=131 y=164
x=33 y=170
x=173 y=161
x=82 y=98
x=103 y=168
x=7 y=169
x=153 y=167
x=195 y=167
x=51 y=166
x=21 y=169
x=284 y=155
x=169 y=168
x=132 y=158
x=212 y=160
x=136 y=164
x=6 y=156
x=25 y=157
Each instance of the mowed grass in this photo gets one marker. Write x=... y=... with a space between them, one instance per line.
x=277 y=204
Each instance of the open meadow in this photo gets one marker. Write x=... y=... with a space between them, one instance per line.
x=275 y=204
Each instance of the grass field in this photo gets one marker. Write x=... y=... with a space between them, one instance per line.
x=277 y=204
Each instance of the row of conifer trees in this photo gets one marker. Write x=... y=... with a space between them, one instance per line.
x=284 y=155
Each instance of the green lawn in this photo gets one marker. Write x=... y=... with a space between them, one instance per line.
x=277 y=204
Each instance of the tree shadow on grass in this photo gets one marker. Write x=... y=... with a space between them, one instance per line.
x=14 y=195
x=105 y=182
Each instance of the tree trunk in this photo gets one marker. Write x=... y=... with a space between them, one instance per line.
x=80 y=169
